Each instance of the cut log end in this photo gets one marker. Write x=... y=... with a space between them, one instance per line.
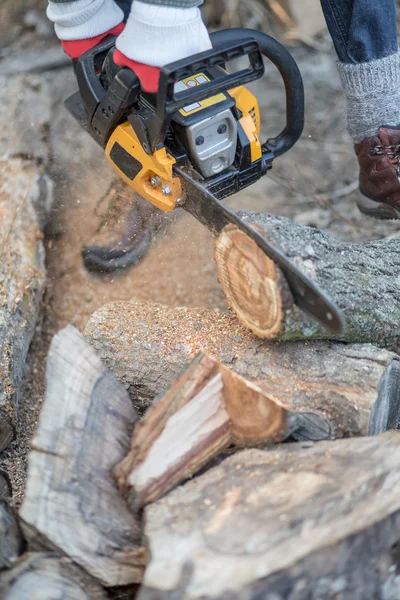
x=253 y=285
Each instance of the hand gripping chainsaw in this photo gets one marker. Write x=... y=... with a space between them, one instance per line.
x=197 y=140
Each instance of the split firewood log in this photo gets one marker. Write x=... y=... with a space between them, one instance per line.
x=355 y=387
x=72 y=503
x=206 y=410
x=360 y=278
x=12 y=543
x=48 y=577
x=296 y=521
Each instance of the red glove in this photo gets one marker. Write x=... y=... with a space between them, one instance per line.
x=76 y=48
x=149 y=76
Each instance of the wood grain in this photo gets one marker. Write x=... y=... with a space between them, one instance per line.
x=294 y=522
x=72 y=503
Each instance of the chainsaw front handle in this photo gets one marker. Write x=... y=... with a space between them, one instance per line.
x=292 y=79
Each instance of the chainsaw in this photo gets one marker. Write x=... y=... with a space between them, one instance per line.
x=197 y=141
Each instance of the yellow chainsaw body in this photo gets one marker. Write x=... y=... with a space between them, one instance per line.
x=138 y=169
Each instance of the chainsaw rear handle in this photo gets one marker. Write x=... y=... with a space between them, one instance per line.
x=228 y=45
x=169 y=101
x=292 y=80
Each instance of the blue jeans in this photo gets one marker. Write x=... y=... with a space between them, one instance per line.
x=361 y=30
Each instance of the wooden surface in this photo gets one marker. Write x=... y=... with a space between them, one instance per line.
x=71 y=502
x=314 y=521
x=48 y=577
x=253 y=285
x=360 y=278
x=22 y=277
x=207 y=409
x=146 y=346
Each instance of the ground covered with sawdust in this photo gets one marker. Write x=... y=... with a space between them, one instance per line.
x=314 y=184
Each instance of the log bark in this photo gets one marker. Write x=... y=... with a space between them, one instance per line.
x=206 y=410
x=72 y=503
x=25 y=202
x=12 y=542
x=295 y=522
x=360 y=278
x=22 y=278
x=48 y=577
x=145 y=346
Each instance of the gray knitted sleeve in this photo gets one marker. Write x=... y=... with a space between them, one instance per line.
x=373 y=95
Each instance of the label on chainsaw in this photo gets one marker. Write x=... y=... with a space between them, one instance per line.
x=194 y=81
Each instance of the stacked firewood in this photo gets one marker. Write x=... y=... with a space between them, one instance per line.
x=112 y=502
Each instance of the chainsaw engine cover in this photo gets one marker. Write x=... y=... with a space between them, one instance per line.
x=207 y=129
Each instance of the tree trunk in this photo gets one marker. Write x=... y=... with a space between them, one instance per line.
x=360 y=278
x=72 y=503
x=25 y=201
x=5 y=485
x=146 y=345
x=48 y=577
x=208 y=409
x=298 y=521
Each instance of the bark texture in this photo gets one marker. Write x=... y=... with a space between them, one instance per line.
x=72 y=503
x=292 y=523
x=25 y=200
x=22 y=277
x=145 y=346
x=48 y=577
x=360 y=278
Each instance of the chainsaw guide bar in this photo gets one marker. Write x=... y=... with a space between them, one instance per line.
x=202 y=205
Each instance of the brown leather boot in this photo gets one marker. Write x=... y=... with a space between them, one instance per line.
x=379 y=159
x=125 y=231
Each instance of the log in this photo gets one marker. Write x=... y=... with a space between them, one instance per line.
x=294 y=522
x=145 y=346
x=72 y=503
x=5 y=486
x=25 y=202
x=48 y=577
x=206 y=410
x=360 y=278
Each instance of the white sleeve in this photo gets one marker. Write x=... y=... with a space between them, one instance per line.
x=83 y=19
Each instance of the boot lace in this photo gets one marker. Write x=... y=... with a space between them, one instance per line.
x=392 y=152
